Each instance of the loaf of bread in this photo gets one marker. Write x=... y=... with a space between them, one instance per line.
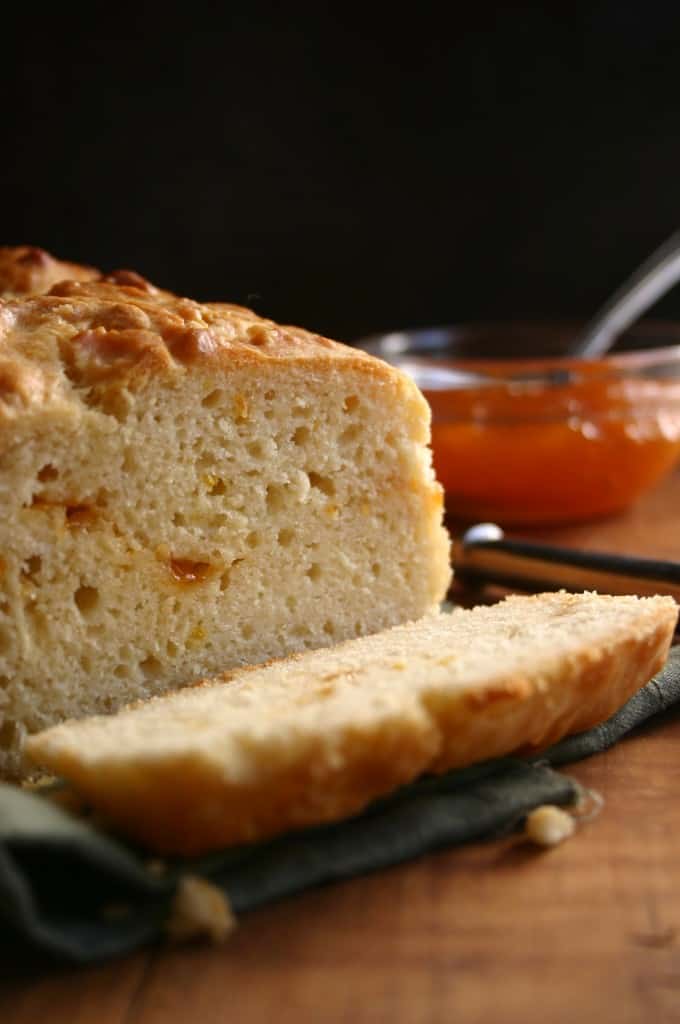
x=27 y=270
x=315 y=738
x=185 y=488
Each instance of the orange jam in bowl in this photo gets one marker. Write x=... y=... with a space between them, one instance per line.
x=532 y=441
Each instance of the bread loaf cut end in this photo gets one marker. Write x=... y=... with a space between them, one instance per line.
x=187 y=487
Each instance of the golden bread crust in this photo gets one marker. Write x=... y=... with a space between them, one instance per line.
x=315 y=738
x=29 y=270
x=114 y=332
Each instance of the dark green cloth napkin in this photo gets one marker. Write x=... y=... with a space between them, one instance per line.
x=72 y=892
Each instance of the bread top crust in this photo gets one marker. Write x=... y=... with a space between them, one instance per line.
x=28 y=270
x=118 y=331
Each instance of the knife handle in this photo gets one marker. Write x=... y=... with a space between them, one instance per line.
x=483 y=555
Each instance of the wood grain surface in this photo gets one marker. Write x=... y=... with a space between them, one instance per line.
x=489 y=933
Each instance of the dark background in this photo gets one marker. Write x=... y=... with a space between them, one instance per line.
x=350 y=171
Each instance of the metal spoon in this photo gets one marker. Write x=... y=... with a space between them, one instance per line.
x=649 y=282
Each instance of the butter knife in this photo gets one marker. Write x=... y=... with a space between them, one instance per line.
x=483 y=555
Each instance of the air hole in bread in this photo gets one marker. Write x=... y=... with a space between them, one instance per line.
x=350 y=404
x=291 y=602
x=376 y=568
x=276 y=496
x=80 y=516
x=285 y=537
x=301 y=436
x=350 y=433
x=240 y=408
x=213 y=398
x=32 y=567
x=224 y=580
x=5 y=639
x=171 y=649
x=322 y=483
x=269 y=396
x=4 y=607
x=247 y=631
x=151 y=667
x=47 y=473
x=253 y=539
x=39 y=501
x=256 y=449
x=178 y=519
x=121 y=672
x=4 y=682
x=186 y=570
x=314 y=571
x=87 y=600
x=37 y=622
x=216 y=486
x=329 y=628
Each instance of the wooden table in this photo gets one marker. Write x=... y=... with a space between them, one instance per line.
x=493 y=932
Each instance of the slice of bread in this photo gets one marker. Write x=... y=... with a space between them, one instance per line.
x=185 y=488
x=315 y=738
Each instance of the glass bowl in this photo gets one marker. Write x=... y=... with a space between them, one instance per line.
x=524 y=435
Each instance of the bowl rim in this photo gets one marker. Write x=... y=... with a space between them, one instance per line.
x=403 y=351
x=400 y=341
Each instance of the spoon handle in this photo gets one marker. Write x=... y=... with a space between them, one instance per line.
x=483 y=555
x=649 y=282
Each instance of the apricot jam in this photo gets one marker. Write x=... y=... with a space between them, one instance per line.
x=531 y=444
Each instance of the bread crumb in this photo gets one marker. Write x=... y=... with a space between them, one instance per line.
x=199 y=909
x=549 y=825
